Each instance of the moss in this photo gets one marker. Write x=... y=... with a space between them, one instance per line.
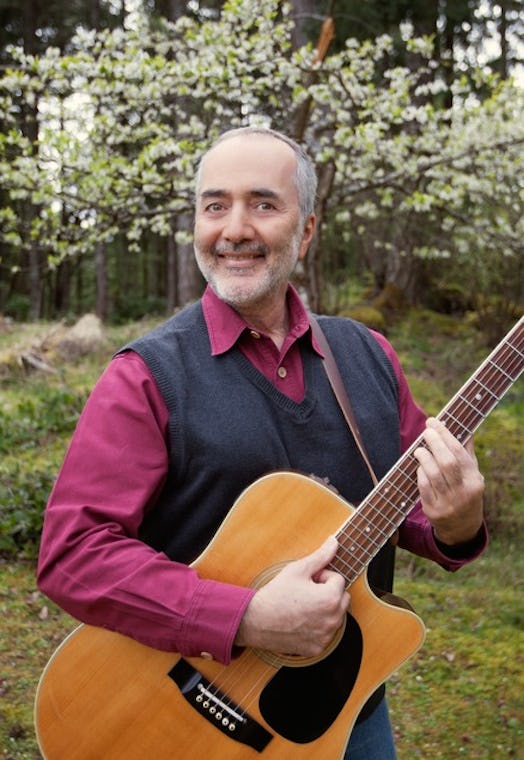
x=368 y=315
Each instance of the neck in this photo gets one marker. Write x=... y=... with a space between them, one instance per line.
x=271 y=319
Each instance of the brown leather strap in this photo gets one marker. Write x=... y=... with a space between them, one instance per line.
x=337 y=384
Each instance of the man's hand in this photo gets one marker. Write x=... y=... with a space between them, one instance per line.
x=300 y=609
x=450 y=484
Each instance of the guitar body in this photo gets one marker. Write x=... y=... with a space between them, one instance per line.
x=104 y=695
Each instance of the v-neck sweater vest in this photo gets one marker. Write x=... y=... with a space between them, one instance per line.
x=229 y=425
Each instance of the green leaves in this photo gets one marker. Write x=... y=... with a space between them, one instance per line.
x=29 y=458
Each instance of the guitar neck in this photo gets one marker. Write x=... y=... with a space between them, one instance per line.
x=384 y=509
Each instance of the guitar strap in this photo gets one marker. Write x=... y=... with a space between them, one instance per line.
x=339 y=389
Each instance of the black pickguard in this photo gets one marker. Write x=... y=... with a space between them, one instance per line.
x=300 y=703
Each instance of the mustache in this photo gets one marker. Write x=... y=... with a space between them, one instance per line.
x=249 y=248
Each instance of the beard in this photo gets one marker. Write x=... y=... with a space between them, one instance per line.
x=249 y=285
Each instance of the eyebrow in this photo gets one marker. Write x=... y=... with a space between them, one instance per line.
x=259 y=192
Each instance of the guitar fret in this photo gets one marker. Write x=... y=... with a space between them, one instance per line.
x=486 y=389
x=488 y=398
x=377 y=511
x=364 y=532
x=351 y=567
x=358 y=550
x=508 y=376
x=458 y=433
x=352 y=541
x=472 y=406
x=384 y=509
x=407 y=492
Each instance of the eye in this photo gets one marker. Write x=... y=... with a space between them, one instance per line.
x=214 y=208
x=265 y=206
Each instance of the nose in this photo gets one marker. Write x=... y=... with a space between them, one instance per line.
x=237 y=224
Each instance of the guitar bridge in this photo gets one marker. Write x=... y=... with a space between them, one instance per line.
x=217 y=708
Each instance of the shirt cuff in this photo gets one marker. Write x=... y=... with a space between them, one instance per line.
x=210 y=628
x=466 y=550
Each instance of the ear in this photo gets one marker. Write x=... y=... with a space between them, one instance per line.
x=307 y=235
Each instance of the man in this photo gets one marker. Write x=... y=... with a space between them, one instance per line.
x=230 y=389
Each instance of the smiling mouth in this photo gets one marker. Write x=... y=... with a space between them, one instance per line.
x=240 y=258
x=241 y=252
x=243 y=264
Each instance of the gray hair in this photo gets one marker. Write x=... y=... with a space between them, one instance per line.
x=305 y=175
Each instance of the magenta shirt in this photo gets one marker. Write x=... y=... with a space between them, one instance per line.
x=92 y=562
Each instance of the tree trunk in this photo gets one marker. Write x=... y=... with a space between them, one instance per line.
x=30 y=130
x=175 y=9
x=171 y=274
x=62 y=289
x=101 y=281
x=503 y=35
x=188 y=275
x=314 y=282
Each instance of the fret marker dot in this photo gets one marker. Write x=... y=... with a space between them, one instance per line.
x=478 y=396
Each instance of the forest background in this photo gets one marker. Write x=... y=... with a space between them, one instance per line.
x=414 y=115
x=412 y=112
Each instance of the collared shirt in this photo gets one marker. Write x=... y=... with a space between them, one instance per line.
x=91 y=560
x=282 y=367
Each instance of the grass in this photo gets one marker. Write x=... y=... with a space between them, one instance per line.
x=463 y=693
x=460 y=696
x=31 y=628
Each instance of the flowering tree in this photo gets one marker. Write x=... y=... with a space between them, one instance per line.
x=415 y=182
x=123 y=121
x=125 y=116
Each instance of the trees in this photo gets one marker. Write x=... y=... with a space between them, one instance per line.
x=32 y=26
x=415 y=182
x=128 y=112
x=124 y=114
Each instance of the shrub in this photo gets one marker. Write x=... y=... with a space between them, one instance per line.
x=34 y=430
x=23 y=496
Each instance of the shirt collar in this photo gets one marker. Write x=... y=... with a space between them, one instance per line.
x=225 y=325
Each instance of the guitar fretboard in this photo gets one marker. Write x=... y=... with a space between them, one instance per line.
x=381 y=513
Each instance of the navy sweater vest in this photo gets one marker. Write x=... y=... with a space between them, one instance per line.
x=229 y=425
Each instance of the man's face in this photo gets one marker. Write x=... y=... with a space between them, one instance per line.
x=247 y=232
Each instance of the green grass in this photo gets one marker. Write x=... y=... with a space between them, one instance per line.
x=463 y=693
x=31 y=627
x=460 y=696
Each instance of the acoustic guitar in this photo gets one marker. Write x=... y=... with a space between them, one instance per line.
x=104 y=696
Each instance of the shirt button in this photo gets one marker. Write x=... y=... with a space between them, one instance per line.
x=206 y=655
x=254 y=334
x=282 y=372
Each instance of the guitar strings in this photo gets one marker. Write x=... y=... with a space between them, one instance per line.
x=231 y=675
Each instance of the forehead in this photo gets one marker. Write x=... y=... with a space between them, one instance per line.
x=248 y=162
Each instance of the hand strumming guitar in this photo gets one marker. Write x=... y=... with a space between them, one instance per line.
x=300 y=609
